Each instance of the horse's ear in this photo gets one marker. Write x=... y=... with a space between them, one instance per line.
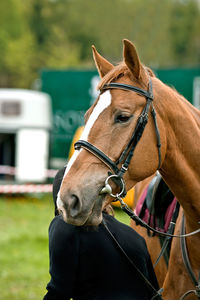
x=103 y=66
x=131 y=58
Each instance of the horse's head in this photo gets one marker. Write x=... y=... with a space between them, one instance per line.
x=110 y=124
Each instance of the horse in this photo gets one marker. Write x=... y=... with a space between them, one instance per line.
x=137 y=125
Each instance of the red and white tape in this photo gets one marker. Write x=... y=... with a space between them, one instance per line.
x=12 y=171
x=25 y=188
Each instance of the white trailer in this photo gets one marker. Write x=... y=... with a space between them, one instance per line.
x=25 y=123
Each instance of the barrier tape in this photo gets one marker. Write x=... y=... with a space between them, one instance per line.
x=7 y=170
x=25 y=188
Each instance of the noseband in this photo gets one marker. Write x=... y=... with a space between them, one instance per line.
x=128 y=152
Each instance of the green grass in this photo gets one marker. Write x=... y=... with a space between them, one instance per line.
x=24 y=247
x=24 y=260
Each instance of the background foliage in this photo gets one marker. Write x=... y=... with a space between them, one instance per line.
x=37 y=34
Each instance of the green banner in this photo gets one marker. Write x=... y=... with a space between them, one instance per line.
x=73 y=92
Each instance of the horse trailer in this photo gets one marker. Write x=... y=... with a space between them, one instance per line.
x=25 y=124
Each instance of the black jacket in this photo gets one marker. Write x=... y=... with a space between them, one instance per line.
x=85 y=263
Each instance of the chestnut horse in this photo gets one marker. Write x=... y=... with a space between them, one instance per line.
x=121 y=128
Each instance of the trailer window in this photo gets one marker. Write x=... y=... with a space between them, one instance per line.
x=11 y=108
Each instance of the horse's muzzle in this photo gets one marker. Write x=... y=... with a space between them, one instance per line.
x=81 y=207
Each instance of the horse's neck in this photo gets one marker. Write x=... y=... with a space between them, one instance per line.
x=181 y=168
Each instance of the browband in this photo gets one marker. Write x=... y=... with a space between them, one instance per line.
x=148 y=94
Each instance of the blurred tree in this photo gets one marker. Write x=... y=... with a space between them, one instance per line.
x=150 y=31
x=52 y=46
x=100 y=23
x=19 y=60
x=10 y=29
x=185 y=18
x=38 y=34
x=39 y=22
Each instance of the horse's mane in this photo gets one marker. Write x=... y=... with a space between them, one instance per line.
x=119 y=71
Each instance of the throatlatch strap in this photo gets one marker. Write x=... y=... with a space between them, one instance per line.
x=153 y=112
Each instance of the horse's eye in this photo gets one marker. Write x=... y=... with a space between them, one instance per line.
x=122 y=118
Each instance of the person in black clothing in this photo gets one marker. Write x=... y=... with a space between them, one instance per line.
x=85 y=263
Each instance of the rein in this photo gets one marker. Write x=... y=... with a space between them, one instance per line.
x=187 y=264
x=139 y=221
x=156 y=294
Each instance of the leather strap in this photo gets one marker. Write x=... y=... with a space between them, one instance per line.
x=141 y=123
x=170 y=231
x=128 y=152
x=187 y=261
x=94 y=150
x=156 y=294
x=122 y=86
x=139 y=221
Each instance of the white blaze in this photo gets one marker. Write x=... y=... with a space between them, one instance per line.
x=102 y=104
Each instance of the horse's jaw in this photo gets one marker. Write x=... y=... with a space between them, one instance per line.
x=82 y=205
x=91 y=217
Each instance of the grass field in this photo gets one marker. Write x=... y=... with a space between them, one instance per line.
x=24 y=261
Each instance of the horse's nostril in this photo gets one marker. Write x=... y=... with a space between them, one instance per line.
x=75 y=206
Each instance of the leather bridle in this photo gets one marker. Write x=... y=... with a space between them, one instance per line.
x=127 y=153
x=125 y=159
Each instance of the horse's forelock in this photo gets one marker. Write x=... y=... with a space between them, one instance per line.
x=116 y=72
x=121 y=70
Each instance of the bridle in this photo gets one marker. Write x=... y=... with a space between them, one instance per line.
x=125 y=159
x=127 y=153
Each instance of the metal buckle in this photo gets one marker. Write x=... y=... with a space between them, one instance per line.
x=107 y=189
